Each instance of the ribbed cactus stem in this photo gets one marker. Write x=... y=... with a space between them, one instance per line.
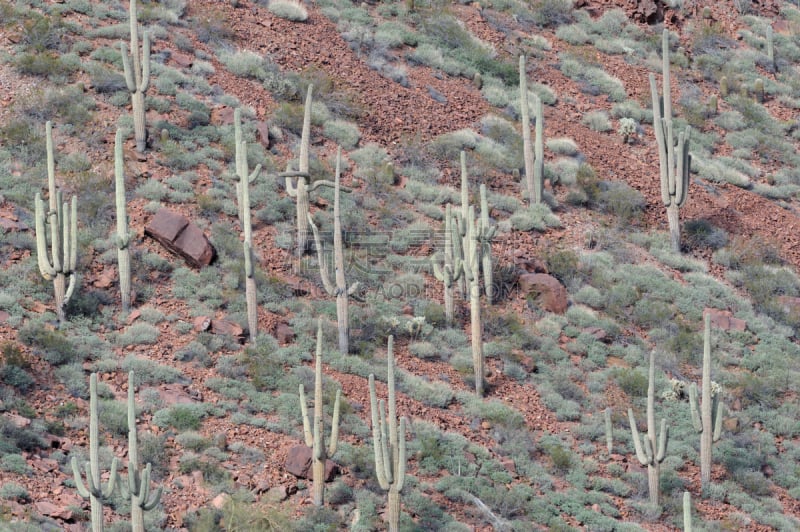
x=687 y=512
x=707 y=416
x=609 y=431
x=451 y=269
x=138 y=480
x=471 y=264
x=674 y=160
x=63 y=221
x=485 y=234
x=771 y=48
x=137 y=78
x=338 y=287
x=93 y=488
x=533 y=154
x=652 y=451
x=123 y=238
x=389 y=443
x=314 y=437
x=250 y=292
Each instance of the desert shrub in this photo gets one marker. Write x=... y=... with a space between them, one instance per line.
x=562 y=146
x=621 y=200
x=182 y=416
x=14 y=491
x=345 y=134
x=632 y=382
x=597 y=121
x=552 y=13
x=147 y=371
x=289 y=10
x=53 y=346
x=538 y=217
x=700 y=233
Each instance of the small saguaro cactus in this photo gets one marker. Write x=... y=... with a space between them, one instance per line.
x=652 y=450
x=723 y=86
x=687 y=512
x=450 y=270
x=707 y=419
x=339 y=287
x=301 y=190
x=137 y=78
x=532 y=155
x=314 y=436
x=758 y=90
x=63 y=221
x=123 y=237
x=609 y=430
x=389 y=442
x=674 y=160
x=771 y=48
x=93 y=489
x=138 y=489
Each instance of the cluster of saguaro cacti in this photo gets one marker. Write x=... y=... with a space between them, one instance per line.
x=244 y=178
x=123 y=237
x=338 y=287
x=314 y=436
x=652 y=450
x=302 y=188
x=138 y=486
x=707 y=419
x=137 y=76
x=673 y=158
x=533 y=155
x=93 y=489
x=389 y=442
x=450 y=269
x=63 y=221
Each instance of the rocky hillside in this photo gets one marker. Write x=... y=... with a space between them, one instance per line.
x=585 y=284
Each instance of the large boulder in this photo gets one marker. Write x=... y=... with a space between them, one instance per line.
x=545 y=290
x=723 y=319
x=298 y=463
x=179 y=235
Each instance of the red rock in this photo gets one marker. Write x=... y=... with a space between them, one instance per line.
x=284 y=334
x=226 y=327
x=134 y=315
x=202 y=323
x=4 y=316
x=176 y=233
x=182 y=60
x=17 y=420
x=51 y=510
x=262 y=128
x=298 y=463
x=10 y=224
x=222 y=115
x=548 y=292
x=220 y=500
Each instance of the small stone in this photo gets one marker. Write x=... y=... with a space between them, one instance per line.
x=202 y=323
x=220 y=500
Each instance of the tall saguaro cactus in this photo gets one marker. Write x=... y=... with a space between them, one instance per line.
x=123 y=238
x=137 y=78
x=708 y=421
x=63 y=221
x=533 y=155
x=245 y=177
x=652 y=451
x=674 y=159
x=339 y=287
x=138 y=490
x=301 y=190
x=93 y=489
x=314 y=436
x=450 y=270
x=389 y=442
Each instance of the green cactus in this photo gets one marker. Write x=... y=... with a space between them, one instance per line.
x=652 y=451
x=389 y=442
x=138 y=489
x=484 y=236
x=532 y=155
x=707 y=419
x=609 y=430
x=723 y=86
x=687 y=511
x=93 y=488
x=450 y=270
x=123 y=237
x=301 y=190
x=338 y=287
x=63 y=221
x=314 y=436
x=758 y=90
x=674 y=160
x=137 y=78
x=771 y=49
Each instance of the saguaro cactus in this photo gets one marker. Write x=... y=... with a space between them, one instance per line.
x=771 y=48
x=138 y=490
x=687 y=512
x=389 y=442
x=63 y=221
x=484 y=235
x=450 y=270
x=137 y=78
x=301 y=190
x=609 y=430
x=123 y=238
x=674 y=160
x=708 y=421
x=314 y=436
x=339 y=288
x=93 y=489
x=533 y=155
x=652 y=451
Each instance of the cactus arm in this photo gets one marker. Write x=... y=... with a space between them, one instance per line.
x=400 y=464
x=77 y=476
x=126 y=67
x=323 y=263
x=609 y=430
x=334 y=443
x=305 y=139
x=45 y=268
x=687 y=512
x=112 y=479
x=51 y=166
x=719 y=413
x=308 y=435
x=637 y=443
x=696 y=420
x=377 y=440
x=254 y=174
x=144 y=83
x=290 y=188
x=663 y=440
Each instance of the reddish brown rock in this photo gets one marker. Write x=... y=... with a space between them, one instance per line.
x=262 y=128
x=52 y=510
x=222 y=115
x=182 y=60
x=202 y=323
x=226 y=327
x=298 y=463
x=284 y=334
x=723 y=319
x=546 y=290
x=176 y=233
